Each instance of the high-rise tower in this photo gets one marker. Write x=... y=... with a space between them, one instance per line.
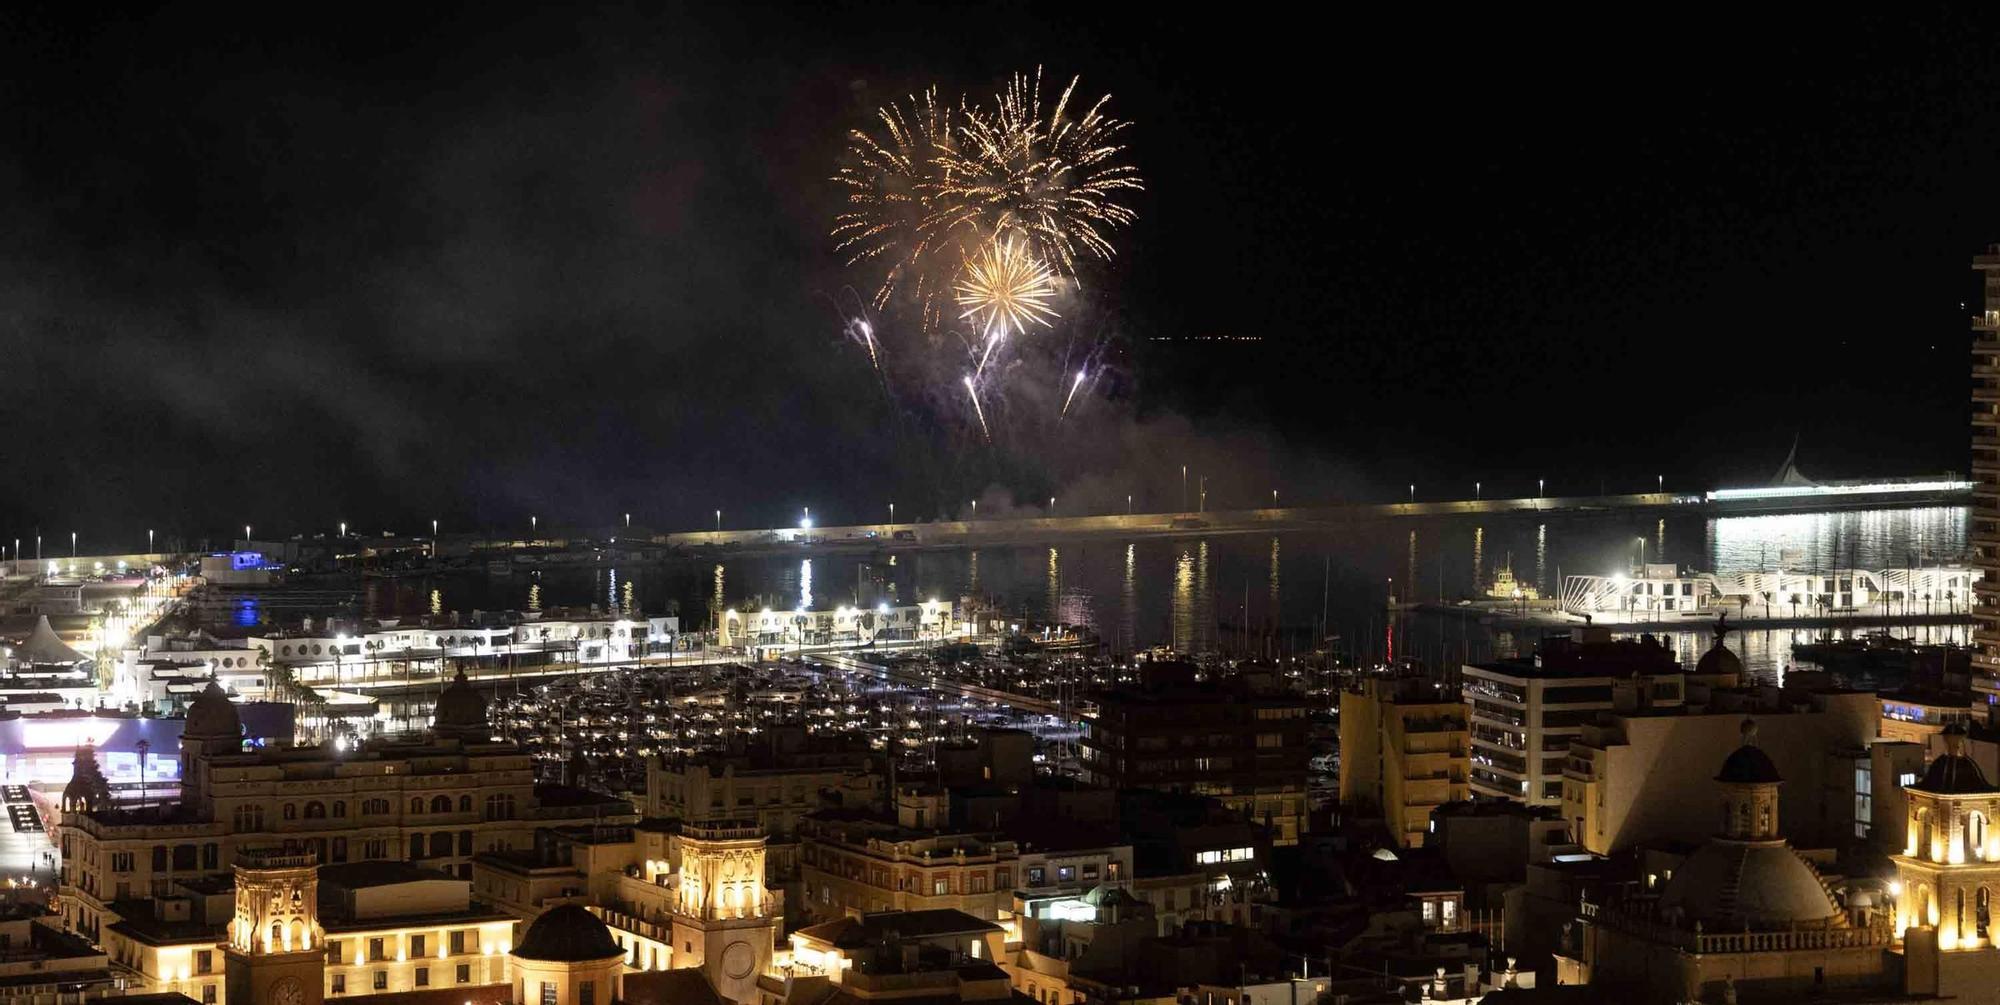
x=1986 y=479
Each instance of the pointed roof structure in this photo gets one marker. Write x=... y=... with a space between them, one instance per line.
x=1789 y=474
x=43 y=645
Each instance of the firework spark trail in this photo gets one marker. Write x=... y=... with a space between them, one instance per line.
x=973 y=390
x=993 y=338
x=1078 y=382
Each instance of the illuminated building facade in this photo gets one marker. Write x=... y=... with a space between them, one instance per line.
x=852 y=861
x=1948 y=875
x=932 y=619
x=1403 y=753
x=1524 y=713
x=1985 y=536
x=1744 y=910
x=433 y=800
x=1620 y=792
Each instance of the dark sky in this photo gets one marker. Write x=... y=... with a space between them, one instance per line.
x=476 y=265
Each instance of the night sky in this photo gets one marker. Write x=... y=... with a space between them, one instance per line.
x=475 y=265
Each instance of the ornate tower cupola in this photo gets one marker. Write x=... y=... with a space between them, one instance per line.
x=276 y=953
x=1749 y=784
x=725 y=920
x=87 y=789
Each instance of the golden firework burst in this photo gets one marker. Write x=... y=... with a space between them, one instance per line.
x=1005 y=287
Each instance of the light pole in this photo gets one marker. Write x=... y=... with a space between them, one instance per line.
x=1052 y=505
x=1274 y=498
x=149 y=540
x=1642 y=550
x=892 y=512
x=434 y=528
x=1413 y=492
x=975 y=509
x=718 y=521
x=628 y=522
x=343 y=529
x=1660 y=484
x=1475 y=491
x=72 y=546
x=143 y=746
x=246 y=535
x=1128 y=504
x=1540 y=484
x=534 y=525
x=1183 y=488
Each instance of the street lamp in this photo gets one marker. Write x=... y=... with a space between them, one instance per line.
x=1128 y=504
x=1274 y=498
x=343 y=528
x=246 y=535
x=718 y=521
x=1475 y=491
x=1413 y=492
x=892 y=512
x=534 y=525
x=628 y=523
x=72 y=545
x=1660 y=483
x=1539 y=483
x=1052 y=505
x=1183 y=488
x=434 y=528
x=975 y=509
x=149 y=540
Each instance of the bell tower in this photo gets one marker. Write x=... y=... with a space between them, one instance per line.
x=724 y=919
x=276 y=953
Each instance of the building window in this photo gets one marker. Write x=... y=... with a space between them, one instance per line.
x=940 y=886
x=375 y=950
x=208 y=994
x=417 y=947
x=458 y=942
x=548 y=993
x=340 y=984
x=1065 y=874
x=204 y=962
x=423 y=977
x=586 y=993
x=1037 y=876
x=333 y=951
x=381 y=980
x=464 y=973
x=291 y=811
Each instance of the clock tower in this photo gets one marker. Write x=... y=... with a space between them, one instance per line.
x=724 y=919
x=276 y=953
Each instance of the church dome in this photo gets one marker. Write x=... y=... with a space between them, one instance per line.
x=568 y=934
x=212 y=714
x=1953 y=773
x=461 y=710
x=1748 y=764
x=1719 y=659
x=1731 y=885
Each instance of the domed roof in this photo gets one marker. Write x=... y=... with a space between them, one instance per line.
x=1953 y=773
x=1730 y=885
x=1748 y=764
x=1719 y=657
x=568 y=934
x=461 y=710
x=212 y=714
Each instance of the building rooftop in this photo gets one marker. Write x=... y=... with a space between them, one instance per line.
x=889 y=926
x=362 y=875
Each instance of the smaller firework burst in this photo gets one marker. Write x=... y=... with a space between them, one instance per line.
x=1004 y=287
